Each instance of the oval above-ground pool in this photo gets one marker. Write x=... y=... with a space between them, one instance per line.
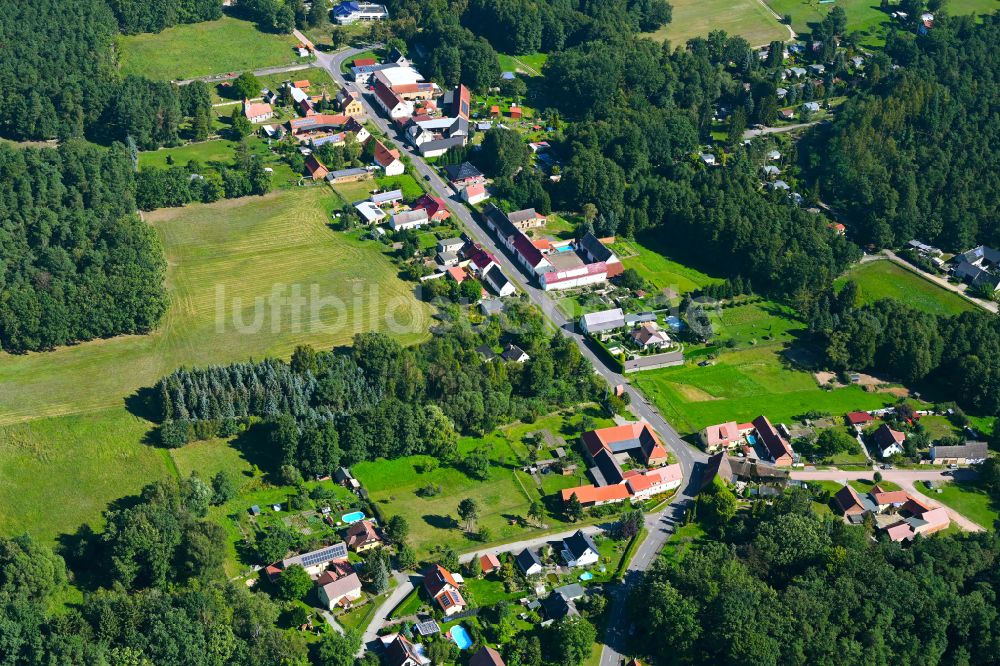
x=353 y=517
x=461 y=637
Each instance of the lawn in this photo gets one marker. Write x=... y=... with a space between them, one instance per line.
x=696 y=18
x=224 y=257
x=660 y=271
x=219 y=153
x=742 y=385
x=503 y=498
x=200 y=49
x=969 y=499
x=56 y=473
x=885 y=279
x=753 y=323
x=530 y=64
x=681 y=541
x=487 y=591
x=410 y=604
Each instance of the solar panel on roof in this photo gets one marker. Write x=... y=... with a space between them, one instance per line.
x=427 y=628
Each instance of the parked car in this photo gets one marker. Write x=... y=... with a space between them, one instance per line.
x=953 y=466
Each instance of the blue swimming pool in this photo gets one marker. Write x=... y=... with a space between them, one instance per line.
x=564 y=248
x=353 y=517
x=461 y=637
x=752 y=440
x=675 y=322
x=586 y=575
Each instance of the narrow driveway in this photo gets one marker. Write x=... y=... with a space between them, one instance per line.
x=405 y=586
x=264 y=71
x=960 y=290
x=751 y=133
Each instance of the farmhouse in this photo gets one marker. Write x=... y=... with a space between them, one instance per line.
x=435 y=207
x=316 y=124
x=257 y=112
x=348 y=103
x=635 y=439
x=526 y=219
x=370 y=212
x=899 y=514
x=649 y=335
x=970 y=453
x=443 y=589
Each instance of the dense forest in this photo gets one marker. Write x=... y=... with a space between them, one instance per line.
x=958 y=354
x=917 y=155
x=157 y=594
x=154 y=15
x=75 y=90
x=77 y=262
x=379 y=399
x=779 y=585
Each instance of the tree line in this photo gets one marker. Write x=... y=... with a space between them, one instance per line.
x=777 y=584
x=916 y=154
x=78 y=263
x=135 y=16
x=959 y=354
x=378 y=399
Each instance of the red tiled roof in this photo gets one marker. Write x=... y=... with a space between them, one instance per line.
x=434 y=206
x=314 y=166
x=389 y=98
x=775 y=444
x=457 y=274
x=303 y=84
x=384 y=156
x=437 y=578
x=858 y=418
x=364 y=62
x=361 y=532
x=893 y=497
x=848 y=500
x=255 y=109
x=588 y=494
x=605 y=438
x=900 y=532
x=489 y=562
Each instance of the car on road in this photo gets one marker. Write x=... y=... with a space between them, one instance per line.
x=427 y=177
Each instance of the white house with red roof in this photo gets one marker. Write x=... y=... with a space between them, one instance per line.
x=442 y=588
x=474 y=193
x=899 y=514
x=724 y=435
x=257 y=112
x=437 y=210
x=388 y=159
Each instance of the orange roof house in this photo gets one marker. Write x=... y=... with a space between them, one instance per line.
x=495 y=110
x=361 y=536
x=364 y=62
x=257 y=111
x=443 y=589
x=385 y=156
x=634 y=438
x=596 y=495
x=489 y=563
x=515 y=112
x=317 y=170
x=457 y=274
x=302 y=85
x=778 y=449
x=435 y=207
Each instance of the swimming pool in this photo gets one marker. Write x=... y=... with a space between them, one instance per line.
x=353 y=517
x=461 y=637
x=564 y=248
x=586 y=575
x=752 y=440
x=674 y=322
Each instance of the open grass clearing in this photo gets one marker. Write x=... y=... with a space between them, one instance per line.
x=885 y=279
x=743 y=385
x=201 y=49
x=225 y=256
x=218 y=153
x=696 y=18
x=968 y=499
x=58 y=473
x=659 y=270
x=527 y=65
x=755 y=322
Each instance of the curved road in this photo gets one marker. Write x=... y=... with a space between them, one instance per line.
x=660 y=524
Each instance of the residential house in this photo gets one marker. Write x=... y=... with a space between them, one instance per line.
x=603 y=321
x=643 y=485
x=770 y=170
x=401 y=652
x=528 y=562
x=443 y=589
x=463 y=175
x=475 y=193
x=579 y=550
x=447 y=259
x=570 y=592
x=724 y=435
x=707 y=158
x=486 y=656
x=514 y=354
x=436 y=209
x=812 y=107
x=316 y=169
x=795 y=72
x=776 y=447
x=978 y=267
x=409 y=219
x=597 y=252
x=818 y=69
x=361 y=133
x=489 y=562
x=526 y=219
x=362 y=536
x=555 y=607
x=786 y=114
x=888 y=441
x=516 y=113
x=388 y=159
x=457 y=274
x=257 y=112
x=338 y=587
x=970 y=453
x=350 y=11
x=773 y=155
x=395 y=106
x=316 y=124
x=649 y=335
